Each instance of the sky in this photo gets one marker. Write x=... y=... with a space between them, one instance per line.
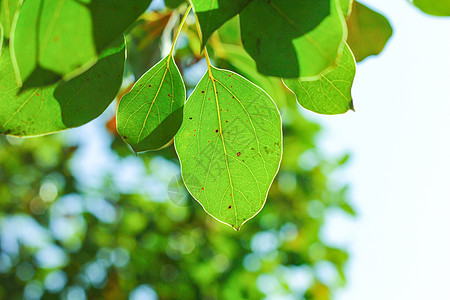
x=399 y=171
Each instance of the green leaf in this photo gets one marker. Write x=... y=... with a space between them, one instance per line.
x=440 y=8
x=293 y=39
x=60 y=106
x=346 y=7
x=8 y=9
x=212 y=14
x=368 y=31
x=245 y=65
x=149 y=116
x=229 y=146
x=56 y=38
x=1 y=37
x=173 y=3
x=331 y=94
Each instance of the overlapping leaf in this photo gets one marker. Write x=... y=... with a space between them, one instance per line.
x=434 y=7
x=229 y=146
x=149 y=116
x=56 y=38
x=293 y=39
x=331 y=94
x=368 y=31
x=212 y=14
x=60 y=106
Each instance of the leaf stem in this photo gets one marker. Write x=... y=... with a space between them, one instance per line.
x=179 y=30
x=208 y=61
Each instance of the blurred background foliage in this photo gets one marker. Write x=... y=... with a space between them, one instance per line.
x=81 y=217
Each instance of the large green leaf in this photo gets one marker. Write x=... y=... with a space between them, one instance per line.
x=368 y=31
x=229 y=146
x=149 y=116
x=214 y=13
x=434 y=7
x=60 y=106
x=58 y=37
x=8 y=9
x=331 y=94
x=293 y=39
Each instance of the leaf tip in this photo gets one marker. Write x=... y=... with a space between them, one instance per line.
x=351 y=106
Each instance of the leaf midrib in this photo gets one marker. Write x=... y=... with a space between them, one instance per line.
x=211 y=77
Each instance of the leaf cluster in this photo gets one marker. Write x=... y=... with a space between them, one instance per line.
x=64 y=62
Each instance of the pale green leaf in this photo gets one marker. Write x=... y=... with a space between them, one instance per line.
x=439 y=8
x=293 y=39
x=331 y=94
x=212 y=14
x=56 y=38
x=60 y=106
x=149 y=116
x=8 y=9
x=229 y=146
x=368 y=31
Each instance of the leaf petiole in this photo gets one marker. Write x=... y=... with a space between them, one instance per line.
x=175 y=38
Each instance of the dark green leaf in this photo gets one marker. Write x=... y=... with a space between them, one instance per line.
x=434 y=7
x=60 y=106
x=214 y=13
x=55 y=38
x=293 y=39
x=8 y=9
x=173 y=3
x=331 y=94
x=368 y=31
x=149 y=116
x=229 y=146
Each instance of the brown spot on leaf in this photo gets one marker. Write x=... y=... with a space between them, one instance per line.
x=229 y=207
x=239 y=154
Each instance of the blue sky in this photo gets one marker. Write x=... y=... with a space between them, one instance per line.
x=400 y=144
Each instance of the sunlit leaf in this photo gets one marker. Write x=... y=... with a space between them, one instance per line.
x=1 y=38
x=60 y=106
x=293 y=39
x=331 y=94
x=56 y=38
x=368 y=31
x=434 y=7
x=8 y=10
x=214 y=13
x=149 y=116
x=229 y=146
x=239 y=59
